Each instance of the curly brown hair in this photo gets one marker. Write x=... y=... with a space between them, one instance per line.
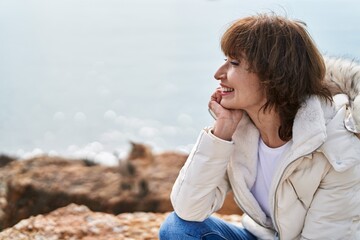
x=282 y=53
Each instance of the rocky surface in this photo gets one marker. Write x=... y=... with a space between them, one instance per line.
x=78 y=222
x=4 y=160
x=142 y=182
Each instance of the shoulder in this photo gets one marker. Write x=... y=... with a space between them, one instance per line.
x=341 y=146
x=344 y=75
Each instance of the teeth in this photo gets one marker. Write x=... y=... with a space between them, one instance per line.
x=225 y=89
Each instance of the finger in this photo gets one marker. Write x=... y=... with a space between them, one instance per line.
x=215 y=107
x=211 y=104
x=216 y=96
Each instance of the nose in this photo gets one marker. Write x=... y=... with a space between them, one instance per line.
x=220 y=74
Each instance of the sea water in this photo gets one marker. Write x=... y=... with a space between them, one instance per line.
x=82 y=78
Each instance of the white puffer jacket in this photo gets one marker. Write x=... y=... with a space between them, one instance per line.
x=315 y=193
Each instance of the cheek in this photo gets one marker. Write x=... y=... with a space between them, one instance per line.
x=257 y=88
x=261 y=95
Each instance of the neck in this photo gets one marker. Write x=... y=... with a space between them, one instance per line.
x=268 y=124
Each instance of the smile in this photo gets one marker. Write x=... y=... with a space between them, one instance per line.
x=226 y=89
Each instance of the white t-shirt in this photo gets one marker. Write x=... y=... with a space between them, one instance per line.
x=268 y=159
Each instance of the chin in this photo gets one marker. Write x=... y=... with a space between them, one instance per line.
x=228 y=105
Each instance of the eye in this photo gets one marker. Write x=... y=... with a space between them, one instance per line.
x=232 y=61
x=235 y=63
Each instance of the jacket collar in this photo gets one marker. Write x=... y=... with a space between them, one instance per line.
x=309 y=128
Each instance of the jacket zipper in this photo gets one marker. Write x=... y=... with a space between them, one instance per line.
x=277 y=186
x=254 y=219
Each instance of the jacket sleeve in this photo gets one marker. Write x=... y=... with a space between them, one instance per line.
x=202 y=184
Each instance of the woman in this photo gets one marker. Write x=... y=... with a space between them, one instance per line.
x=278 y=142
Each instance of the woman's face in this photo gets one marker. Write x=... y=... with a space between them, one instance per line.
x=240 y=89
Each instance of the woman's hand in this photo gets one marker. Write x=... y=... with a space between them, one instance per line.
x=226 y=119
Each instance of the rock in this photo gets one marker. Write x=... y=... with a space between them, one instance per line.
x=140 y=152
x=4 y=160
x=75 y=222
x=43 y=184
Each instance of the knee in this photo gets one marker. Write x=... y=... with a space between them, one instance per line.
x=176 y=228
x=172 y=227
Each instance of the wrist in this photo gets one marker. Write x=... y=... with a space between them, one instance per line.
x=224 y=135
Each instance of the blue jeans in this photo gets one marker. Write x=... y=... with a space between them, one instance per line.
x=212 y=228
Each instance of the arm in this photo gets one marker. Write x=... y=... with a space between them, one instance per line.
x=202 y=184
